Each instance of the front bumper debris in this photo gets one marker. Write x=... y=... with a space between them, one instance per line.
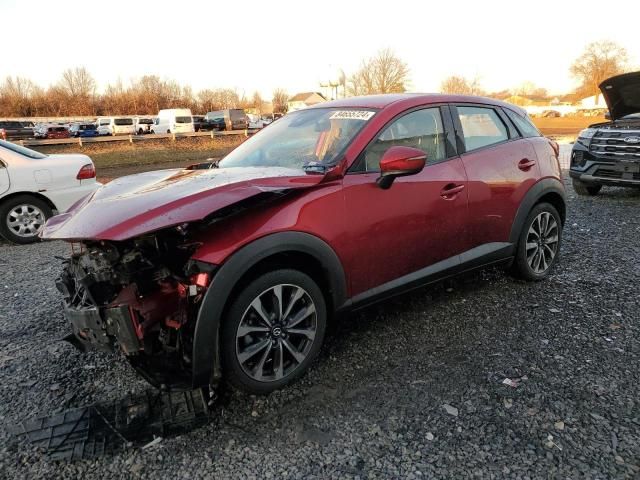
x=109 y=427
x=97 y=328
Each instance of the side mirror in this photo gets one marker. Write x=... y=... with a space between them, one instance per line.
x=400 y=162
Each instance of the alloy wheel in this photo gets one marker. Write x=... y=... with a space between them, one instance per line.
x=25 y=220
x=276 y=333
x=542 y=242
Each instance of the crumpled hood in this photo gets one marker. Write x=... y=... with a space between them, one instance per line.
x=622 y=94
x=133 y=205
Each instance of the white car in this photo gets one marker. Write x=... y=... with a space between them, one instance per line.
x=143 y=125
x=255 y=121
x=33 y=186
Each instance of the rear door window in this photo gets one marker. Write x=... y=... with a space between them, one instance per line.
x=481 y=127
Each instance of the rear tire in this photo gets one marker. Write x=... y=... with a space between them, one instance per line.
x=539 y=243
x=273 y=331
x=22 y=217
x=584 y=189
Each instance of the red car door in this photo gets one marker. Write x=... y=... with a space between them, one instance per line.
x=416 y=223
x=501 y=167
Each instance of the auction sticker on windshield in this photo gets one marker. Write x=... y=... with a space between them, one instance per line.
x=352 y=115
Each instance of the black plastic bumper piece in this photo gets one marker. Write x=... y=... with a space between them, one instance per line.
x=96 y=328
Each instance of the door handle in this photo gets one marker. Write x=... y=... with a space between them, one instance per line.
x=525 y=164
x=451 y=190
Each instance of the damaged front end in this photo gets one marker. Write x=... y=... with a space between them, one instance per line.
x=140 y=296
x=131 y=283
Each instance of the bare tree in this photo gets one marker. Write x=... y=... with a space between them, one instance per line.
x=207 y=100
x=150 y=93
x=16 y=96
x=599 y=61
x=256 y=102
x=279 y=101
x=524 y=89
x=383 y=73
x=228 y=98
x=114 y=100
x=459 y=85
x=78 y=82
x=79 y=88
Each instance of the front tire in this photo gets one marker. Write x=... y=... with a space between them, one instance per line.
x=22 y=217
x=584 y=189
x=539 y=243
x=273 y=331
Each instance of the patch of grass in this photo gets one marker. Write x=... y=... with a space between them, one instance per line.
x=150 y=157
x=150 y=152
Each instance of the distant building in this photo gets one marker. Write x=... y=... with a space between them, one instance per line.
x=526 y=100
x=304 y=100
x=593 y=102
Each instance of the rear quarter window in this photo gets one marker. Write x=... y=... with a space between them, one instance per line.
x=523 y=124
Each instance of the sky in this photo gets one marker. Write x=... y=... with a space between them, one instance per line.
x=262 y=45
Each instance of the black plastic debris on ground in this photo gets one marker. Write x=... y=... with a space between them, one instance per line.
x=100 y=429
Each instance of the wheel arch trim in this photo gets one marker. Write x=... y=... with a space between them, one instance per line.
x=545 y=187
x=205 y=351
x=37 y=195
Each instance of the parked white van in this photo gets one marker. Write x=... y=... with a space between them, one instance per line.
x=115 y=126
x=174 y=120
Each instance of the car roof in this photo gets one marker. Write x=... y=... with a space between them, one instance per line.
x=409 y=100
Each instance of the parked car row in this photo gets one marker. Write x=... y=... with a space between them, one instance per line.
x=173 y=120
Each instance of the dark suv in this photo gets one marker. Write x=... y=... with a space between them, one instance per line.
x=15 y=130
x=609 y=153
x=232 y=272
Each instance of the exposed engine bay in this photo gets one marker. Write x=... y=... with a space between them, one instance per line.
x=632 y=123
x=140 y=296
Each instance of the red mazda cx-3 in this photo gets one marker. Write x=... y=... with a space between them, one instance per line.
x=230 y=269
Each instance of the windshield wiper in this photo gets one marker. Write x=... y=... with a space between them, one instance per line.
x=315 y=167
x=205 y=165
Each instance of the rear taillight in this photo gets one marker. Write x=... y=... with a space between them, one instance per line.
x=3 y=134
x=555 y=146
x=86 y=172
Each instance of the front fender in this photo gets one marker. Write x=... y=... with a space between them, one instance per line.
x=206 y=351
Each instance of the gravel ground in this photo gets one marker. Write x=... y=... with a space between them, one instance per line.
x=411 y=388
